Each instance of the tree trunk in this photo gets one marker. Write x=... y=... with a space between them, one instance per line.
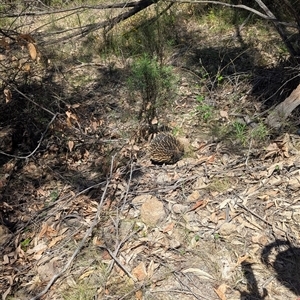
x=284 y=109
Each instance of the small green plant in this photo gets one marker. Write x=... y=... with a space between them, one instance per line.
x=217 y=236
x=240 y=131
x=25 y=244
x=205 y=111
x=177 y=130
x=54 y=195
x=260 y=132
x=220 y=78
x=197 y=238
x=154 y=83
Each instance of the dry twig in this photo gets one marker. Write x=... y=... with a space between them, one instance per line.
x=38 y=145
x=82 y=243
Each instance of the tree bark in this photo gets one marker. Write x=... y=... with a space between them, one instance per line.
x=284 y=109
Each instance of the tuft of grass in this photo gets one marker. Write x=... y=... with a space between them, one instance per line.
x=219 y=185
x=240 y=132
x=260 y=132
x=81 y=291
x=203 y=110
x=54 y=195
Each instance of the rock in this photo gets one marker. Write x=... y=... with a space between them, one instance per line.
x=163 y=178
x=138 y=200
x=179 y=208
x=152 y=211
x=227 y=229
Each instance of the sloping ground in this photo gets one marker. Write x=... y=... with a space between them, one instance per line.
x=89 y=217
x=220 y=224
x=217 y=224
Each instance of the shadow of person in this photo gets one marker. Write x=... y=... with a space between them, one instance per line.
x=252 y=287
x=286 y=263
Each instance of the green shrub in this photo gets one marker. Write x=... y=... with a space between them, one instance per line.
x=154 y=83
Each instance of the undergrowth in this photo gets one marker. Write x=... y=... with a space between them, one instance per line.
x=154 y=84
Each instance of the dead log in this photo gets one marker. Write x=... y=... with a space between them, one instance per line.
x=284 y=109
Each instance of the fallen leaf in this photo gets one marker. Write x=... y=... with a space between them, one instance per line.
x=294 y=183
x=43 y=230
x=8 y=95
x=154 y=121
x=38 y=248
x=26 y=37
x=200 y=203
x=169 y=227
x=221 y=290
x=70 y=145
x=76 y=105
x=202 y=274
x=26 y=67
x=140 y=271
x=32 y=51
x=210 y=159
x=194 y=196
x=224 y=114
x=86 y=274
x=270 y=204
x=151 y=268
x=5 y=259
x=56 y=240
x=6 y=293
x=241 y=259
x=139 y=295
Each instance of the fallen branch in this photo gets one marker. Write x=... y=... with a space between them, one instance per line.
x=38 y=145
x=83 y=241
x=240 y=6
x=77 y=9
x=267 y=15
x=284 y=109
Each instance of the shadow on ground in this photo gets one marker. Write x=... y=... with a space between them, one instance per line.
x=283 y=258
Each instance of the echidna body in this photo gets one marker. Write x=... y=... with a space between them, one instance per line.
x=165 y=149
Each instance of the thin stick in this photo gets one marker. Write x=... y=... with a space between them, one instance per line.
x=39 y=143
x=81 y=244
x=118 y=247
x=248 y=154
x=118 y=263
x=27 y=98
x=128 y=186
x=258 y=216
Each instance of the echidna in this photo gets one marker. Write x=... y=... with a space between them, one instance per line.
x=165 y=149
